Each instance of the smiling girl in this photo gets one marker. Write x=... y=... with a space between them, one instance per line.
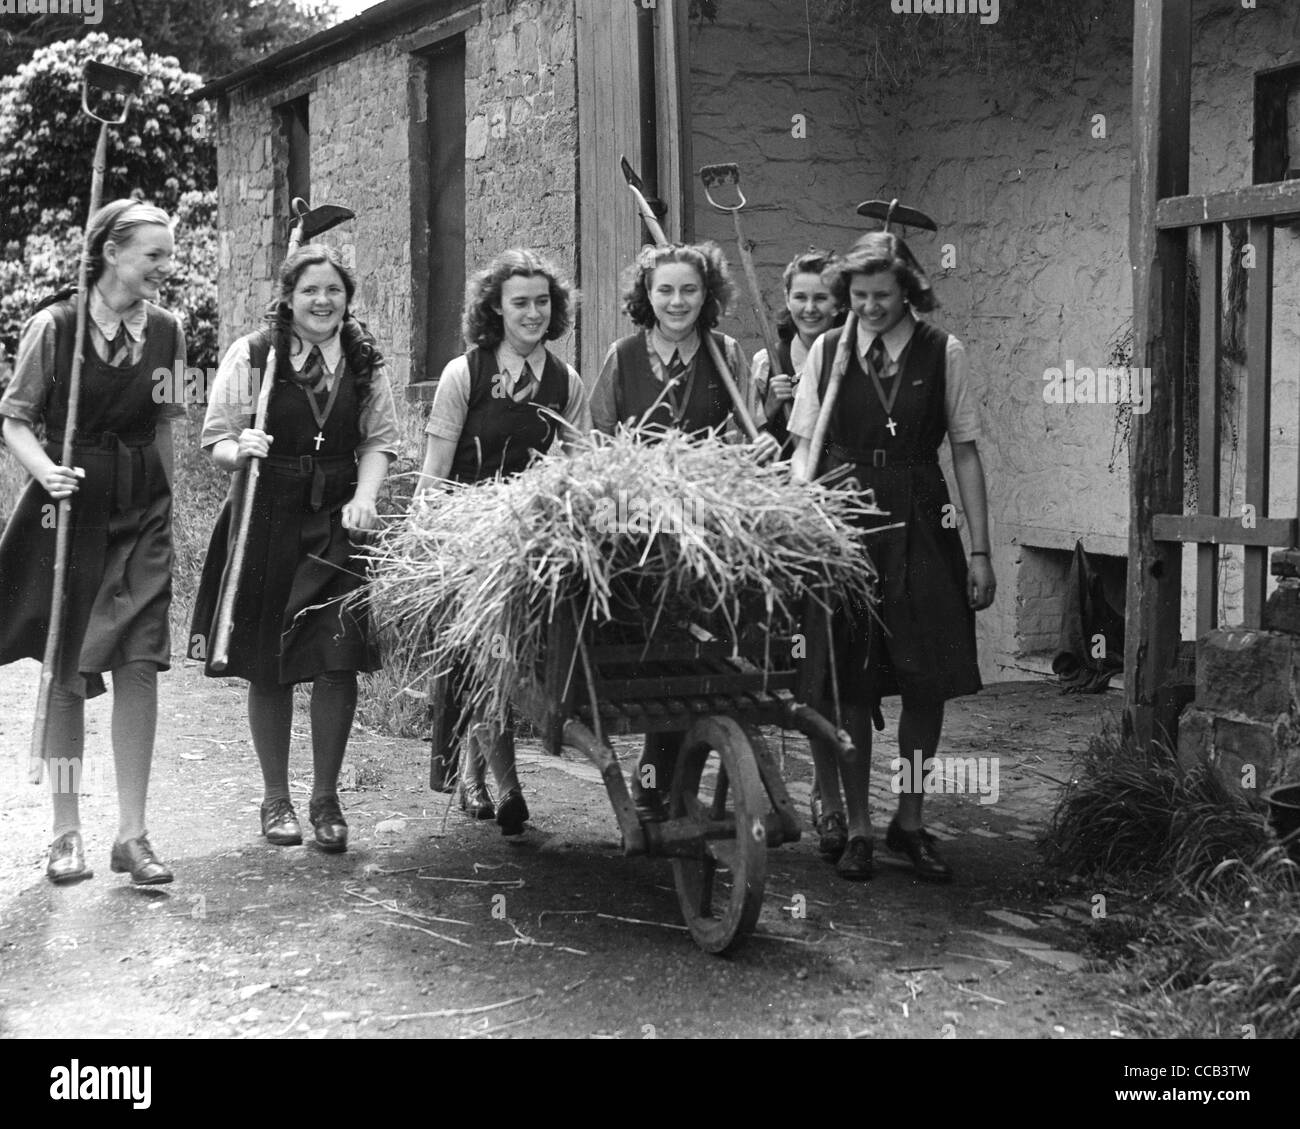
x=663 y=375
x=904 y=390
x=331 y=432
x=810 y=311
x=496 y=407
x=120 y=562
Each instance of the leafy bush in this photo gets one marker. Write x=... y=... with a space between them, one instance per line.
x=46 y=141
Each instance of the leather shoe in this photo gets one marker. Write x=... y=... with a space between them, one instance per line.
x=919 y=847
x=475 y=801
x=855 y=862
x=280 y=823
x=512 y=813
x=329 y=825
x=136 y=857
x=834 y=834
x=68 y=860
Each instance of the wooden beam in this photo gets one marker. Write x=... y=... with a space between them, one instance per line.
x=1162 y=50
x=671 y=24
x=609 y=230
x=1259 y=371
x=1259 y=201
x=1209 y=423
x=1209 y=531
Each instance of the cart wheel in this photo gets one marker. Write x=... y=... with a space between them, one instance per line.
x=717 y=779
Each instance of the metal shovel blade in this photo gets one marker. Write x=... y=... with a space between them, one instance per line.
x=109 y=80
x=890 y=211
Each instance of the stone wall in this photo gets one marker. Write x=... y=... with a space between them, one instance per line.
x=1032 y=199
x=520 y=164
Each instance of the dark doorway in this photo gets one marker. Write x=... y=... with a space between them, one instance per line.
x=438 y=209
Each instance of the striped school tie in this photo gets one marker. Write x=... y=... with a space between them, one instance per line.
x=313 y=370
x=119 y=349
x=877 y=358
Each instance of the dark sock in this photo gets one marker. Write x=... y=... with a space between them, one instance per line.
x=333 y=704
x=270 y=718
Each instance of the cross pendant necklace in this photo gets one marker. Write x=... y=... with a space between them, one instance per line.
x=319 y=415
x=886 y=402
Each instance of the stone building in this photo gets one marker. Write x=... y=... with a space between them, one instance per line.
x=455 y=128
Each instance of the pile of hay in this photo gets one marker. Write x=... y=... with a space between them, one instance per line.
x=637 y=533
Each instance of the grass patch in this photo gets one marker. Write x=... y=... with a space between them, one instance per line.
x=1214 y=945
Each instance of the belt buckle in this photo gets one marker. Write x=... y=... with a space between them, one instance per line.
x=305 y=464
x=878 y=457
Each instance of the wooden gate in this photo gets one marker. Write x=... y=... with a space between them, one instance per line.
x=1164 y=219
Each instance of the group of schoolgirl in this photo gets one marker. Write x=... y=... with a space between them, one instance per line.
x=330 y=434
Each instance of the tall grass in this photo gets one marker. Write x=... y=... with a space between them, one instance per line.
x=1218 y=949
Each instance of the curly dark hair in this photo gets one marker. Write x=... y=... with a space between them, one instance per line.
x=815 y=260
x=709 y=264
x=881 y=251
x=359 y=348
x=481 y=323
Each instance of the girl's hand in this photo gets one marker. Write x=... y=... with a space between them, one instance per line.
x=59 y=482
x=766 y=447
x=360 y=516
x=980 y=583
x=780 y=390
x=253 y=444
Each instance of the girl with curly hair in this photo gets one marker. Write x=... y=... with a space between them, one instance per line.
x=809 y=311
x=496 y=407
x=906 y=387
x=663 y=375
x=119 y=581
x=331 y=432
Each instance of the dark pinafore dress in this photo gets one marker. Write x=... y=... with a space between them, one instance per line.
x=501 y=435
x=119 y=578
x=929 y=651
x=290 y=619
x=703 y=403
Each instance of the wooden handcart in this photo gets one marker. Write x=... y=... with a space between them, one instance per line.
x=727 y=801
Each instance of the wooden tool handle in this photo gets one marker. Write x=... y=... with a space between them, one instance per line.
x=838 y=367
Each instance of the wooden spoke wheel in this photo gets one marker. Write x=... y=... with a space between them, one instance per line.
x=717 y=784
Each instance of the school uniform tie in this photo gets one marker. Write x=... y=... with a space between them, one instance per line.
x=877 y=358
x=877 y=365
x=525 y=385
x=313 y=370
x=119 y=349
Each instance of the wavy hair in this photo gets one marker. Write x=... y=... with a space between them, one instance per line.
x=709 y=264
x=481 y=322
x=815 y=260
x=881 y=251
x=359 y=347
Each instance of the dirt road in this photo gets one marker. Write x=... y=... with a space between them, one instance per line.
x=432 y=925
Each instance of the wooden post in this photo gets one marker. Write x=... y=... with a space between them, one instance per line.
x=1209 y=420
x=1162 y=48
x=609 y=125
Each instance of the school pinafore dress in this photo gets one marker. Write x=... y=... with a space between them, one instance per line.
x=701 y=404
x=929 y=651
x=119 y=578
x=291 y=622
